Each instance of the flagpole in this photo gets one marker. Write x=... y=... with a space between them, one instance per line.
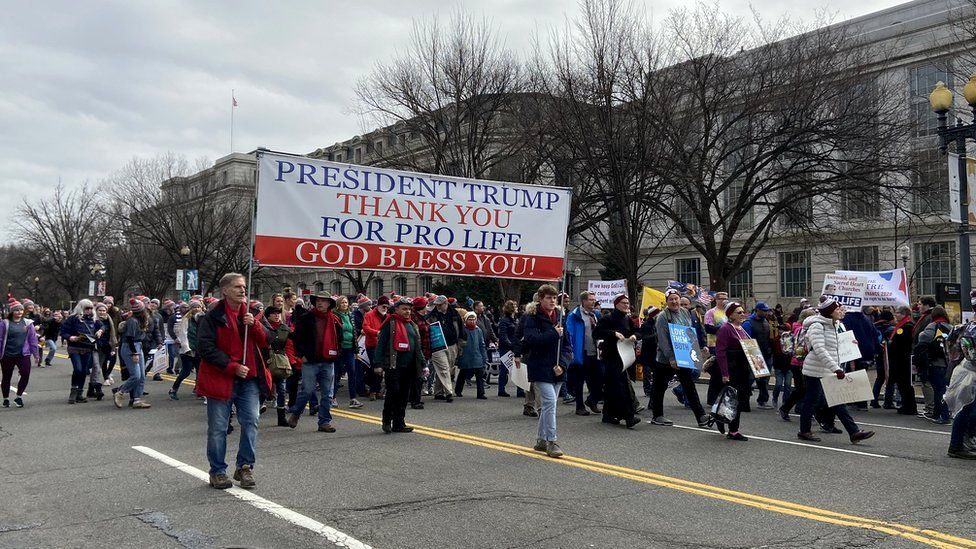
x=232 y=99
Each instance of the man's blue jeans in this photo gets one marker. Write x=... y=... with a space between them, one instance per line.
x=135 y=384
x=323 y=374
x=52 y=347
x=548 y=392
x=245 y=398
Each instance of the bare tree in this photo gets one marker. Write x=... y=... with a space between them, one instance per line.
x=156 y=223
x=66 y=232
x=761 y=125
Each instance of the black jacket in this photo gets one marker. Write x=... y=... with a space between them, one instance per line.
x=451 y=323
x=506 y=334
x=305 y=338
x=606 y=331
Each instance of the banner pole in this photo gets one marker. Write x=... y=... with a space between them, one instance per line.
x=250 y=255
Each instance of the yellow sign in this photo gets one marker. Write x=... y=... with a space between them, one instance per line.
x=651 y=297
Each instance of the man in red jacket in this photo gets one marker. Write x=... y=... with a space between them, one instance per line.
x=232 y=375
x=372 y=323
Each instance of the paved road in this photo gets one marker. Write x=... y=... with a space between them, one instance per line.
x=468 y=478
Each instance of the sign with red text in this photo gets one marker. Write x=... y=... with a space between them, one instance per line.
x=322 y=214
x=882 y=288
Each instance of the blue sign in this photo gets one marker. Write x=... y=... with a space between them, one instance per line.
x=437 y=340
x=684 y=341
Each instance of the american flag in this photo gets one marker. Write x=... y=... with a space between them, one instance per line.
x=705 y=298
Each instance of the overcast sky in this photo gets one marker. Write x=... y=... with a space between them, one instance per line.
x=85 y=86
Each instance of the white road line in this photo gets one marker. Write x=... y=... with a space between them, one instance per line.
x=335 y=536
x=946 y=433
x=790 y=442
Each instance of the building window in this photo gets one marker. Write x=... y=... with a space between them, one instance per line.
x=336 y=287
x=400 y=285
x=740 y=285
x=732 y=196
x=922 y=79
x=379 y=147
x=861 y=203
x=863 y=258
x=794 y=274
x=319 y=287
x=425 y=284
x=688 y=270
x=932 y=183
x=935 y=262
x=570 y=286
x=359 y=155
x=378 y=288
x=687 y=216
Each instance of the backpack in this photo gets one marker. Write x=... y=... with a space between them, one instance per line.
x=786 y=343
x=954 y=354
x=801 y=345
x=938 y=348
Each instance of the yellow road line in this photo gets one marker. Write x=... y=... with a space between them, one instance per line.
x=925 y=536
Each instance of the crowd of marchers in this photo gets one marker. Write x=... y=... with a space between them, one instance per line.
x=298 y=354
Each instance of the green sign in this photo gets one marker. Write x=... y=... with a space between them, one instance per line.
x=185 y=295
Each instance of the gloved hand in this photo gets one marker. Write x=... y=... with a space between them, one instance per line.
x=840 y=374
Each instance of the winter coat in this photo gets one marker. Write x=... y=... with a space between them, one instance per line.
x=930 y=351
x=537 y=342
x=475 y=353
x=221 y=350
x=823 y=357
x=372 y=323
x=865 y=333
x=900 y=349
x=576 y=326
x=423 y=332
x=648 y=341
x=506 y=334
x=78 y=325
x=451 y=323
x=758 y=329
x=307 y=341
x=484 y=322
x=52 y=329
x=30 y=348
x=606 y=331
x=412 y=360
x=665 y=352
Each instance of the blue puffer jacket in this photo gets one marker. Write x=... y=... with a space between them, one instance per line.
x=577 y=334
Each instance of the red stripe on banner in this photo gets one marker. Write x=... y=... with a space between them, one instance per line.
x=282 y=251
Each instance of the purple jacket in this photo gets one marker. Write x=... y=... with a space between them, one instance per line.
x=30 y=344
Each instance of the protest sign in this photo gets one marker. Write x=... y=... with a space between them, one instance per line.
x=628 y=352
x=755 y=357
x=855 y=387
x=362 y=355
x=846 y=289
x=684 y=341
x=519 y=374
x=883 y=287
x=606 y=290
x=321 y=214
x=651 y=297
x=437 y=340
x=691 y=291
x=847 y=349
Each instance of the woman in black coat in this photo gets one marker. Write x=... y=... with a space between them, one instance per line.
x=506 y=338
x=612 y=328
x=900 y=360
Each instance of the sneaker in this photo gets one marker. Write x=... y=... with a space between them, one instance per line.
x=220 y=481
x=6 y=403
x=335 y=404
x=19 y=402
x=140 y=404
x=640 y=408
x=861 y=435
x=736 y=436
x=326 y=428
x=553 y=450
x=831 y=429
x=403 y=429
x=107 y=383
x=569 y=400
x=961 y=453
x=764 y=406
x=634 y=420
x=705 y=421
x=157 y=377
x=784 y=415
x=582 y=412
x=172 y=395
x=595 y=408
x=942 y=421
x=540 y=445
x=504 y=395
x=808 y=437
x=245 y=476
x=530 y=412
x=417 y=406
x=293 y=420
x=119 y=398
x=661 y=420
x=355 y=404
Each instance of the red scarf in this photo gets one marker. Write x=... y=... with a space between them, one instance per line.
x=330 y=343
x=898 y=326
x=401 y=339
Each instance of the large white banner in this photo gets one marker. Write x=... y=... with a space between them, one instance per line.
x=883 y=288
x=321 y=214
x=606 y=290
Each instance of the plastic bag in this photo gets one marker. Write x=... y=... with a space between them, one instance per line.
x=726 y=405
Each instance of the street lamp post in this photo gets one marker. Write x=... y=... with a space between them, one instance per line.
x=37 y=281
x=941 y=101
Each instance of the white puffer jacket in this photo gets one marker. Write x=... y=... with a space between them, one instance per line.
x=822 y=358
